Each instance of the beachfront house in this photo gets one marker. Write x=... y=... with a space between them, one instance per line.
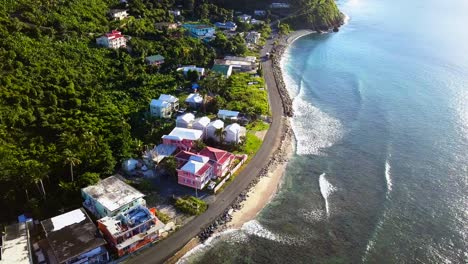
x=154 y=60
x=118 y=14
x=185 y=120
x=220 y=160
x=194 y=100
x=212 y=128
x=129 y=231
x=234 y=133
x=113 y=40
x=73 y=238
x=231 y=26
x=196 y=172
x=110 y=197
x=16 y=246
x=200 y=31
x=183 y=138
x=228 y=114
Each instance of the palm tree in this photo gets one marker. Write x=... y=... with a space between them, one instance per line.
x=220 y=133
x=72 y=160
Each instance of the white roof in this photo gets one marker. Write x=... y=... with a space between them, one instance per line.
x=180 y=133
x=195 y=163
x=67 y=219
x=168 y=98
x=228 y=113
x=216 y=124
x=203 y=121
x=233 y=127
x=112 y=193
x=15 y=245
x=194 y=98
x=159 y=103
x=187 y=117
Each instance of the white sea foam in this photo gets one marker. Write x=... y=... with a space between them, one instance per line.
x=388 y=177
x=312 y=216
x=229 y=235
x=314 y=130
x=326 y=189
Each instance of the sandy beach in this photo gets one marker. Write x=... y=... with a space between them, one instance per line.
x=263 y=191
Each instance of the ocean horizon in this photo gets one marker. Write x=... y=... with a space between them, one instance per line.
x=380 y=170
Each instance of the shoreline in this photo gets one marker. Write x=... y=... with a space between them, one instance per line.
x=267 y=184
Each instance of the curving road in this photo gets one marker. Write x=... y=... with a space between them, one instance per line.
x=169 y=246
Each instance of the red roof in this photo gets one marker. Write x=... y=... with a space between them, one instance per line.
x=215 y=154
x=114 y=34
x=203 y=169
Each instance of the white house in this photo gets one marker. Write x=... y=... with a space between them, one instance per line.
x=160 y=108
x=252 y=37
x=194 y=100
x=257 y=22
x=110 y=197
x=201 y=124
x=172 y=100
x=260 y=13
x=234 y=133
x=186 y=69
x=228 y=114
x=213 y=127
x=183 y=138
x=118 y=14
x=244 y=18
x=175 y=12
x=113 y=40
x=185 y=120
x=279 y=5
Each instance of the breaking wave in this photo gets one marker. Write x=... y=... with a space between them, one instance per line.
x=326 y=189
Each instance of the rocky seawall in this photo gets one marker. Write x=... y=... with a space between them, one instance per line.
x=279 y=156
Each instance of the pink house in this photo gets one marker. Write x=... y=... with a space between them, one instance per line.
x=219 y=159
x=196 y=172
x=183 y=138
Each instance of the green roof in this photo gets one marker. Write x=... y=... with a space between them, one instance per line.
x=223 y=69
x=154 y=58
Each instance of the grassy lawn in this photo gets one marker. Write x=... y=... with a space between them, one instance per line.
x=257 y=125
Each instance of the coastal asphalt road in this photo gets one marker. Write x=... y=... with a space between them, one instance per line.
x=169 y=246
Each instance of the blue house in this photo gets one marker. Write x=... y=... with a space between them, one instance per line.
x=227 y=26
x=200 y=31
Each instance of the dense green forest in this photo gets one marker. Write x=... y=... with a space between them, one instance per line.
x=71 y=111
x=68 y=106
x=309 y=14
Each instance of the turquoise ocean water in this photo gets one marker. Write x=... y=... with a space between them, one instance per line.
x=380 y=173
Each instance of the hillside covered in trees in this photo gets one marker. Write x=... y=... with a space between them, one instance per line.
x=306 y=14
x=71 y=111
x=68 y=106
